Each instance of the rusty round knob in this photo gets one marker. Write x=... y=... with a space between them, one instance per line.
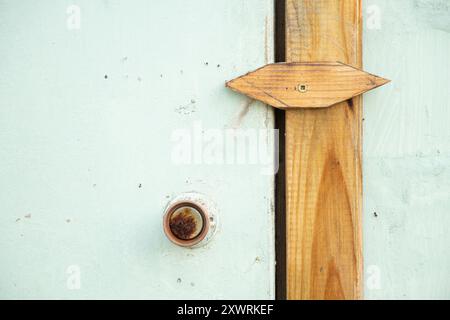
x=189 y=220
x=186 y=222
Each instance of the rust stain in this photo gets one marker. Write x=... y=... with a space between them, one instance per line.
x=183 y=225
x=350 y=103
x=237 y=122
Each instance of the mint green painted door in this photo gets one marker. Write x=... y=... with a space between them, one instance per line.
x=93 y=96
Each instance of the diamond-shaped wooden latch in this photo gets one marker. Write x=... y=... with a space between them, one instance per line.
x=305 y=85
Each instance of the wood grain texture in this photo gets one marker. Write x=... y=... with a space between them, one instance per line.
x=305 y=85
x=323 y=160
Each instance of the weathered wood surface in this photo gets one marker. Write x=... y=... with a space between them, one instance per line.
x=305 y=85
x=323 y=160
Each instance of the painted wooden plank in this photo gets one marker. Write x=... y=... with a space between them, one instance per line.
x=89 y=122
x=305 y=85
x=406 y=152
x=323 y=160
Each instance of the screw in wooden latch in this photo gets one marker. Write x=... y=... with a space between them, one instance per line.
x=302 y=88
x=190 y=220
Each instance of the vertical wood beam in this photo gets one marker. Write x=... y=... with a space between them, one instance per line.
x=323 y=160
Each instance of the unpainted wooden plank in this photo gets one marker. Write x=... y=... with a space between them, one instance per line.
x=323 y=160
